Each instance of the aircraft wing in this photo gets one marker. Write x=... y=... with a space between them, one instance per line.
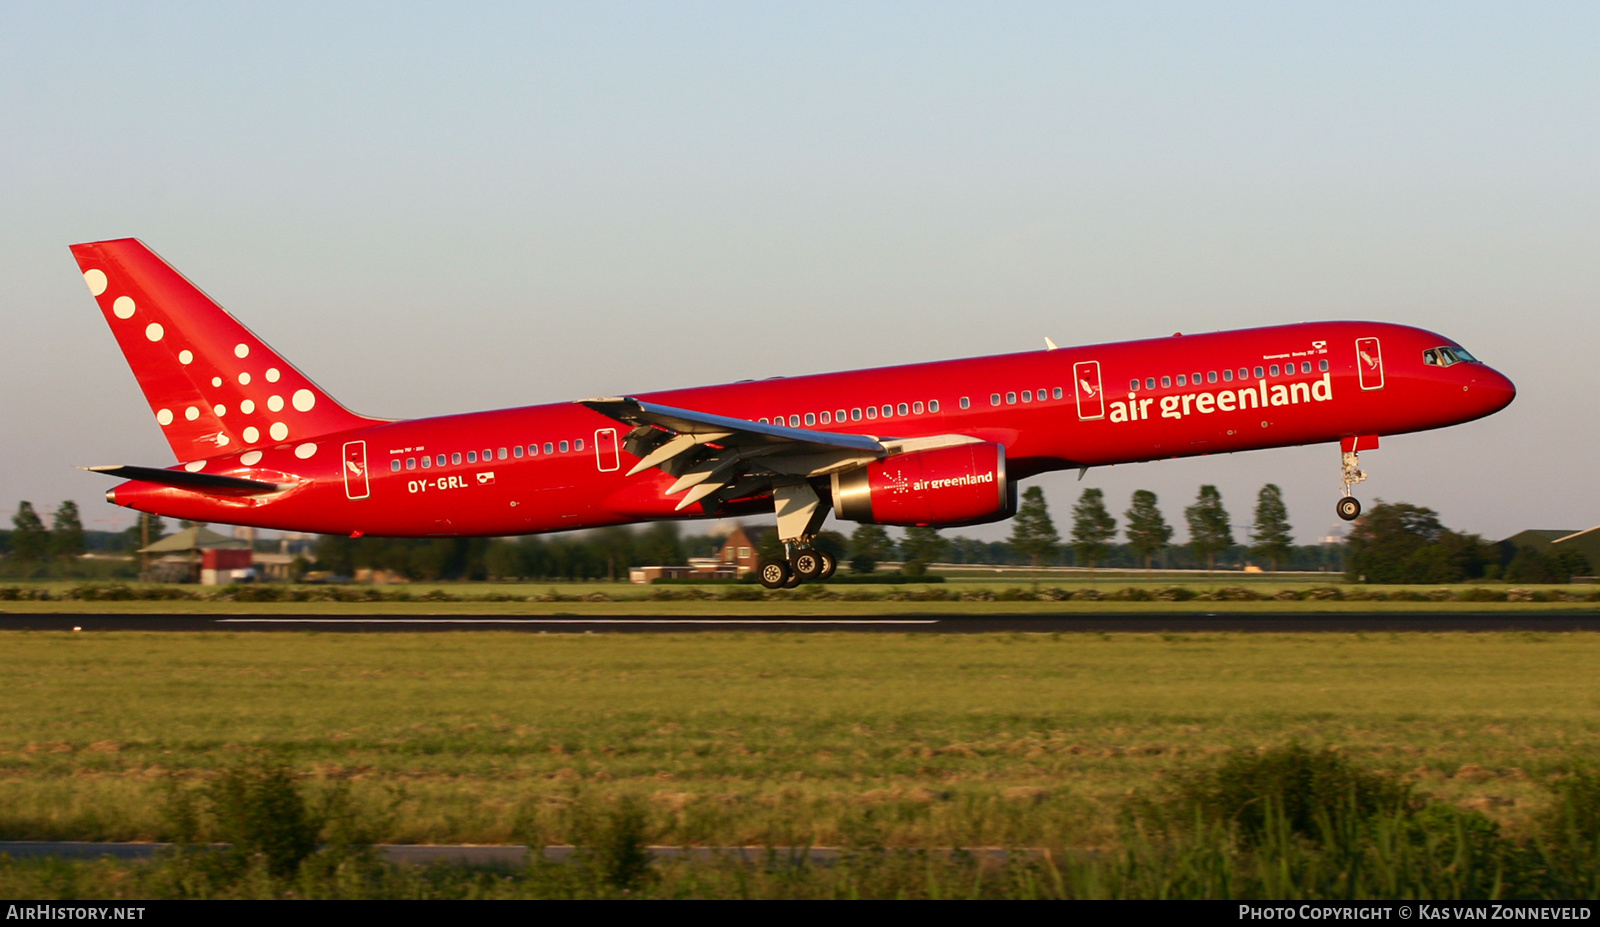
x=713 y=454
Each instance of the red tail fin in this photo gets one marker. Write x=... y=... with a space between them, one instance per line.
x=214 y=387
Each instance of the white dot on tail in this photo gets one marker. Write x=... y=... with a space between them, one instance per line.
x=164 y=416
x=250 y=458
x=191 y=413
x=185 y=357
x=279 y=431
x=248 y=406
x=220 y=409
x=222 y=440
x=216 y=381
x=251 y=436
x=244 y=379
x=305 y=450
x=274 y=403
x=273 y=374
x=96 y=280
x=122 y=308
x=241 y=350
x=154 y=331
x=195 y=466
x=304 y=399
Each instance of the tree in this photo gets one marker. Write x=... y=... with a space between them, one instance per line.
x=1209 y=531
x=1092 y=528
x=869 y=544
x=659 y=545
x=29 y=541
x=1147 y=531
x=1033 y=534
x=921 y=546
x=1271 y=534
x=1402 y=543
x=66 y=532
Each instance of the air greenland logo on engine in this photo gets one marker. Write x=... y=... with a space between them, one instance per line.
x=971 y=479
x=1228 y=400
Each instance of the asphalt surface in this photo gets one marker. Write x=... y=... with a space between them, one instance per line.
x=1342 y=622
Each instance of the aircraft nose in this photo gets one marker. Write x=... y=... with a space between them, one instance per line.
x=1494 y=389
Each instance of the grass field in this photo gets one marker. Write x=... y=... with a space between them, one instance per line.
x=1011 y=594
x=770 y=739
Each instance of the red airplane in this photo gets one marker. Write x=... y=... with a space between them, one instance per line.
x=941 y=444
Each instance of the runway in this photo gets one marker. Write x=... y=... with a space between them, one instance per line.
x=1191 y=622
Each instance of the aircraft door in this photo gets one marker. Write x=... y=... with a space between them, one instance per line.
x=605 y=450
x=355 y=470
x=1086 y=384
x=1369 y=362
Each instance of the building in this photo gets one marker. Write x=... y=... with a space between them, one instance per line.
x=741 y=551
x=200 y=555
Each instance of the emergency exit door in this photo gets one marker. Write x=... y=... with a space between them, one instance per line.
x=355 y=470
x=605 y=450
x=1086 y=384
x=1369 y=363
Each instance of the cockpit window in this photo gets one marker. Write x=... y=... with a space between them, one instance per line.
x=1446 y=356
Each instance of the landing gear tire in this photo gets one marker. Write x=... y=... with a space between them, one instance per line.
x=1348 y=508
x=794 y=580
x=807 y=564
x=829 y=564
x=775 y=574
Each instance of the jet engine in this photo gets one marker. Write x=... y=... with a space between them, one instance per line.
x=948 y=486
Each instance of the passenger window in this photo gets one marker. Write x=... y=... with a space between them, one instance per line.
x=577 y=445
x=794 y=421
x=1181 y=381
x=872 y=412
x=1166 y=382
x=1322 y=366
x=394 y=465
x=1273 y=370
x=1057 y=391
x=1195 y=379
x=440 y=460
x=517 y=452
x=1133 y=385
x=1149 y=382
x=1211 y=376
x=888 y=410
x=565 y=447
x=1027 y=395
x=1227 y=375
x=855 y=415
x=427 y=462
x=811 y=418
x=411 y=463
x=965 y=403
x=488 y=455
x=1260 y=372
x=533 y=450
x=472 y=456
x=838 y=416
x=549 y=448
x=826 y=418
x=933 y=405
x=994 y=399
x=916 y=408
x=456 y=457
x=1244 y=373
x=764 y=420
x=501 y=452
x=1011 y=399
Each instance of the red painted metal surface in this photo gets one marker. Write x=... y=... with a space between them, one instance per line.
x=1063 y=409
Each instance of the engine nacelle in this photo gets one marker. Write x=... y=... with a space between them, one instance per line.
x=947 y=486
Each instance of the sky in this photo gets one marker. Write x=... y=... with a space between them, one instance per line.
x=435 y=208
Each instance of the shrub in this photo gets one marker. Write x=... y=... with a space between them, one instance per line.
x=1305 y=791
x=259 y=809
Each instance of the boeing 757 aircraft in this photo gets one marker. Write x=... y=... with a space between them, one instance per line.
x=940 y=444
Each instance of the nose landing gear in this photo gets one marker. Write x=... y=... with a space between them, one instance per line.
x=1349 y=507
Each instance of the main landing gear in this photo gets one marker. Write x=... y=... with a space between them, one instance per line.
x=804 y=564
x=1349 y=507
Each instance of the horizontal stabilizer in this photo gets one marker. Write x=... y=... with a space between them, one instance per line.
x=195 y=482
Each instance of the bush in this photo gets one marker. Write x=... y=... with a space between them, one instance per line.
x=1305 y=791
x=259 y=809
